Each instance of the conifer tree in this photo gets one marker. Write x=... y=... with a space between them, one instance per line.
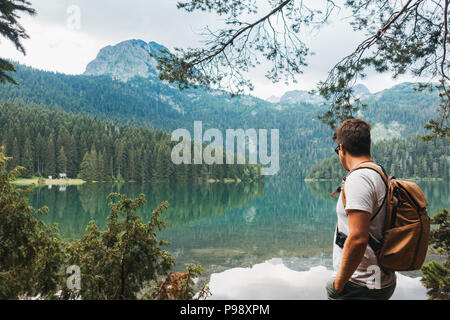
x=437 y=276
x=62 y=161
x=28 y=159
x=126 y=154
x=123 y=262
x=72 y=156
x=11 y=29
x=50 y=157
x=87 y=167
x=31 y=253
x=15 y=154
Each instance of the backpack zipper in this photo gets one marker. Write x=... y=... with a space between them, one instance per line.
x=418 y=243
x=421 y=227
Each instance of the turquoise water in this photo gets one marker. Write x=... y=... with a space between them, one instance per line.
x=270 y=240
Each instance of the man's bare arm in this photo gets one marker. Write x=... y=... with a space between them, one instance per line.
x=354 y=248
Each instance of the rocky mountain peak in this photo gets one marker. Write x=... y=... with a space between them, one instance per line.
x=126 y=60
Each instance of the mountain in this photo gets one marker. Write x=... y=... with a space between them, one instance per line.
x=149 y=102
x=126 y=60
x=273 y=99
x=403 y=158
x=300 y=96
x=360 y=90
x=303 y=96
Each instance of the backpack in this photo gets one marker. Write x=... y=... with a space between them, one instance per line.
x=406 y=226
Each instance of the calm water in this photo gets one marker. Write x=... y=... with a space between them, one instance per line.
x=270 y=240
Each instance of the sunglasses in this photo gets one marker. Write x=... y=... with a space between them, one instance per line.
x=337 y=150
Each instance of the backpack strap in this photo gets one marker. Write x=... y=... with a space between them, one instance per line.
x=365 y=165
x=373 y=243
x=341 y=187
x=371 y=165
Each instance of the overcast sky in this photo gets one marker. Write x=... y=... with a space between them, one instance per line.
x=58 y=43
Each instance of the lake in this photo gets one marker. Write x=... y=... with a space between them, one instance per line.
x=266 y=240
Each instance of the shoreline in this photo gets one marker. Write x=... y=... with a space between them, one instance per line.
x=225 y=180
x=397 y=178
x=36 y=181
x=47 y=182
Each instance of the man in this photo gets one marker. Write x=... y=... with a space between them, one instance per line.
x=357 y=274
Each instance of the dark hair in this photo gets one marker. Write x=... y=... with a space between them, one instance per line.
x=354 y=135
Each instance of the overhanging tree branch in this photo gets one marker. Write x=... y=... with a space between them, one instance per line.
x=239 y=32
x=402 y=36
x=408 y=40
x=12 y=30
x=272 y=36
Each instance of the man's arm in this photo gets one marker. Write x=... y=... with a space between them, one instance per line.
x=354 y=248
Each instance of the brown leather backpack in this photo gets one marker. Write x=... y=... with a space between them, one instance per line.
x=407 y=225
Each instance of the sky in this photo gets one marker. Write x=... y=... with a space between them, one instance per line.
x=66 y=35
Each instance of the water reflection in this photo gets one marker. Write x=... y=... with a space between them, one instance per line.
x=270 y=233
x=274 y=280
x=289 y=221
x=77 y=205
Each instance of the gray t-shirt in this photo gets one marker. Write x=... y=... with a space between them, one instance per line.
x=365 y=191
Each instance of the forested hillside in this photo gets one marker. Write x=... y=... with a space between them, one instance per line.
x=47 y=142
x=402 y=158
x=401 y=107
x=148 y=102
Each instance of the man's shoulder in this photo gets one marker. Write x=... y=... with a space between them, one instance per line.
x=367 y=171
x=366 y=175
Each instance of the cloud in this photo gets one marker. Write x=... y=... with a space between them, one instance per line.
x=330 y=44
x=274 y=280
x=55 y=46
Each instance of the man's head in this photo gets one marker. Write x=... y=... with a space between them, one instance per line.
x=353 y=138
